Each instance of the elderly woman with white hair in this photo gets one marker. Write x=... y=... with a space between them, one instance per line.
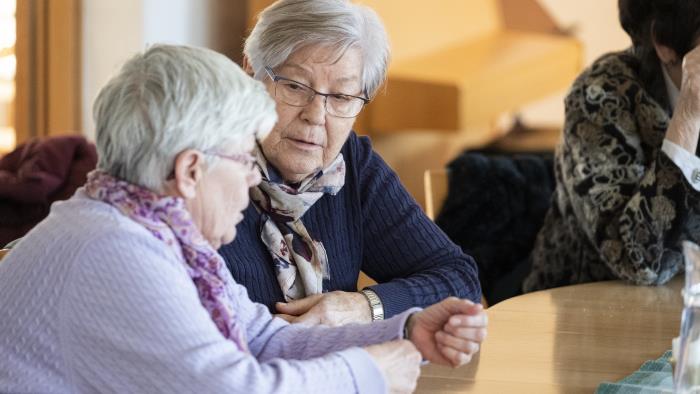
x=120 y=289
x=328 y=206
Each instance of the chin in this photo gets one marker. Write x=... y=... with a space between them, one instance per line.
x=228 y=239
x=307 y=168
x=305 y=163
x=215 y=244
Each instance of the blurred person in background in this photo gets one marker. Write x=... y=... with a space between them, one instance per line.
x=628 y=175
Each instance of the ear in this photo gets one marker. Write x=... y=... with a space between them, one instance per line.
x=247 y=67
x=189 y=169
x=667 y=55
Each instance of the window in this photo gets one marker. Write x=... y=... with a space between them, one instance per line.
x=8 y=65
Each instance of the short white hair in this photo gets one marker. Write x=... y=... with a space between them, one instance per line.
x=289 y=25
x=171 y=98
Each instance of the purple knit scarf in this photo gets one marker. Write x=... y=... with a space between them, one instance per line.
x=169 y=221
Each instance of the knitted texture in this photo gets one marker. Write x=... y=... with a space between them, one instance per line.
x=92 y=302
x=372 y=225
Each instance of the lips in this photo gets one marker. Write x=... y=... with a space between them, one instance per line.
x=304 y=142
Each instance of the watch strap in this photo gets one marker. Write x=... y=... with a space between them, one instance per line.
x=375 y=304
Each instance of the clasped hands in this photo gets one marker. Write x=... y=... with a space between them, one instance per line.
x=447 y=333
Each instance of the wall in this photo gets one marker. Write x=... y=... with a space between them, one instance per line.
x=113 y=30
x=595 y=23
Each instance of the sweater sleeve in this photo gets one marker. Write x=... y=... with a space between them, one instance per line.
x=632 y=207
x=270 y=337
x=131 y=321
x=413 y=261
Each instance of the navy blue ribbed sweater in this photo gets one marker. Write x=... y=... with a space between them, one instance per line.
x=372 y=225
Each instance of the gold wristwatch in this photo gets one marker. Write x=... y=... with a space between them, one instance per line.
x=375 y=304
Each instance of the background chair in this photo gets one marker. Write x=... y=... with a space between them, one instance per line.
x=436 y=189
x=494 y=206
x=37 y=173
x=3 y=252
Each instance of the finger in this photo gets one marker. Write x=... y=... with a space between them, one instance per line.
x=459 y=344
x=288 y=318
x=469 y=333
x=458 y=306
x=308 y=319
x=298 y=307
x=455 y=357
x=479 y=319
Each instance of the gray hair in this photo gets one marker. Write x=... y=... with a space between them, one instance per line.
x=172 y=98
x=289 y=25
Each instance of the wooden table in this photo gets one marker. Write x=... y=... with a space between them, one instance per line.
x=566 y=340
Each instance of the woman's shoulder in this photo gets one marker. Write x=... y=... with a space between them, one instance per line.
x=360 y=154
x=621 y=64
x=365 y=166
x=356 y=147
x=81 y=225
x=610 y=91
x=85 y=237
x=82 y=214
x=610 y=73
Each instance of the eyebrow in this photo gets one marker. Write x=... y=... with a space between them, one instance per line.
x=308 y=73
x=304 y=70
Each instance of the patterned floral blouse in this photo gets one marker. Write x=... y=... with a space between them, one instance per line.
x=621 y=206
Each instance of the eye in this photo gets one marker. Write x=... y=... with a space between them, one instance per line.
x=341 y=97
x=293 y=86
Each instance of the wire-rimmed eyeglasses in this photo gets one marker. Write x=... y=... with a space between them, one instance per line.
x=297 y=94
x=246 y=159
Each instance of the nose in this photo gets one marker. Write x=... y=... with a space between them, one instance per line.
x=315 y=111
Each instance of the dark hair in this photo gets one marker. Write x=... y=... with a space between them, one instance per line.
x=673 y=23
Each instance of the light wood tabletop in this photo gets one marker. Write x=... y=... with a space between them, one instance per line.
x=566 y=340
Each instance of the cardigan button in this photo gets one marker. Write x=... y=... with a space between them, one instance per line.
x=695 y=176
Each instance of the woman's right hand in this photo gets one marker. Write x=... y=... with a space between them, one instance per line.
x=685 y=125
x=399 y=362
x=690 y=84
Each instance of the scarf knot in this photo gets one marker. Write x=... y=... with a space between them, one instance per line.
x=300 y=262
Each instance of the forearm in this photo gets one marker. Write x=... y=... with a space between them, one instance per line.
x=222 y=369
x=638 y=233
x=454 y=277
x=415 y=263
x=684 y=128
x=297 y=341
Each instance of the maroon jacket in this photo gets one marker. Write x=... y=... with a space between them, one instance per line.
x=36 y=174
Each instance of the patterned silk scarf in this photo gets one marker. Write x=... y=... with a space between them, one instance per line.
x=168 y=220
x=300 y=262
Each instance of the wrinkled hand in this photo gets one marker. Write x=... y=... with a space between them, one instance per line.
x=449 y=332
x=336 y=308
x=399 y=362
x=690 y=84
x=685 y=123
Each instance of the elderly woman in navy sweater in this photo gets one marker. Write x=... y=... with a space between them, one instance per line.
x=120 y=288
x=328 y=206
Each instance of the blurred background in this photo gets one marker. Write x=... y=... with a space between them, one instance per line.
x=465 y=74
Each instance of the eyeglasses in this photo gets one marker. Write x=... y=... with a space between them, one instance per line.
x=246 y=158
x=297 y=94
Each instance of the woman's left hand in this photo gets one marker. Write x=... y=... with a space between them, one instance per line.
x=449 y=332
x=336 y=308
